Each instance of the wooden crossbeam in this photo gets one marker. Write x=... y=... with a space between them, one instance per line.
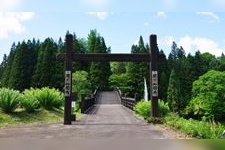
x=100 y=57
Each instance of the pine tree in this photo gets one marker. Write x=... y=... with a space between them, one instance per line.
x=99 y=71
x=46 y=70
x=7 y=69
x=23 y=66
x=138 y=71
x=80 y=46
x=163 y=86
x=3 y=66
x=174 y=96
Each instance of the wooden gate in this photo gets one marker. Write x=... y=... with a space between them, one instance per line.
x=69 y=57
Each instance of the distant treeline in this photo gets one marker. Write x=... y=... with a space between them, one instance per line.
x=33 y=63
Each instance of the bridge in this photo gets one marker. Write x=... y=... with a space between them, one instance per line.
x=106 y=119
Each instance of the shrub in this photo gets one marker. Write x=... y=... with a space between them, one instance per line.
x=49 y=98
x=143 y=108
x=29 y=101
x=208 y=96
x=200 y=129
x=9 y=100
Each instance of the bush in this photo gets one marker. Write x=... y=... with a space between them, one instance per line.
x=29 y=101
x=143 y=108
x=194 y=128
x=81 y=83
x=49 y=98
x=208 y=96
x=9 y=100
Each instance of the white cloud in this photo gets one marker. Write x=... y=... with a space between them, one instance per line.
x=166 y=41
x=191 y=45
x=161 y=14
x=210 y=14
x=11 y=22
x=6 y=5
x=100 y=15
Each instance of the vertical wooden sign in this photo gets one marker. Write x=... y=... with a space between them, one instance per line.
x=154 y=75
x=68 y=80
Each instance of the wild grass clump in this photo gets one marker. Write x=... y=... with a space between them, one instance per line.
x=195 y=128
x=143 y=108
x=49 y=99
x=30 y=101
x=9 y=100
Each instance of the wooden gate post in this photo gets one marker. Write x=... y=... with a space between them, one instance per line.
x=154 y=75
x=68 y=80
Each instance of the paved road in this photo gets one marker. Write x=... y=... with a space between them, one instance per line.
x=108 y=120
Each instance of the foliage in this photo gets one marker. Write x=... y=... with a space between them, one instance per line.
x=118 y=67
x=49 y=98
x=122 y=81
x=29 y=101
x=174 y=97
x=6 y=69
x=143 y=108
x=99 y=71
x=138 y=71
x=9 y=100
x=23 y=66
x=81 y=83
x=163 y=86
x=208 y=96
x=194 y=128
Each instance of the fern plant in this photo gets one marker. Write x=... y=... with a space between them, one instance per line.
x=50 y=98
x=9 y=100
x=29 y=101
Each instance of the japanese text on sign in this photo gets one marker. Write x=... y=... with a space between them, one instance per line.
x=154 y=83
x=67 y=83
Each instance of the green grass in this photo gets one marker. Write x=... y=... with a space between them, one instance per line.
x=20 y=117
x=195 y=128
x=191 y=127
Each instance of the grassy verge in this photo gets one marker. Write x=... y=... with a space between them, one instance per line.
x=190 y=127
x=21 y=117
x=195 y=128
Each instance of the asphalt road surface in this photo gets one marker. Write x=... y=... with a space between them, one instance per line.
x=107 y=120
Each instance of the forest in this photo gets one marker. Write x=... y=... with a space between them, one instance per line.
x=192 y=85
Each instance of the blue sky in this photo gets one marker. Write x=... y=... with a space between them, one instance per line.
x=191 y=24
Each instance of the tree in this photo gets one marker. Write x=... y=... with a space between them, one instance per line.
x=3 y=65
x=174 y=96
x=118 y=67
x=138 y=71
x=99 y=71
x=121 y=80
x=46 y=72
x=163 y=86
x=80 y=46
x=208 y=96
x=6 y=73
x=23 y=66
x=81 y=83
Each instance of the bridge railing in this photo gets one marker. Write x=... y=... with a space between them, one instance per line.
x=126 y=101
x=88 y=101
